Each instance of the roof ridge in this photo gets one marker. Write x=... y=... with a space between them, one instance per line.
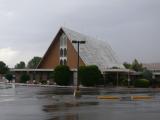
x=82 y=34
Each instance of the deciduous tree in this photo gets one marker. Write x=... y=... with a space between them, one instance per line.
x=33 y=63
x=20 y=65
x=3 y=68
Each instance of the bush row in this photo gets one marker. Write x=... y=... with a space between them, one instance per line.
x=88 y=76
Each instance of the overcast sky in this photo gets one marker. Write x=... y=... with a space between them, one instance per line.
x=131 y=27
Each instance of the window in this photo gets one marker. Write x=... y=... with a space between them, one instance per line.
x=63 y=40
x=63 y=49
x=61 y=62
x=61 y=52
x=65 y=62
x=65 y=52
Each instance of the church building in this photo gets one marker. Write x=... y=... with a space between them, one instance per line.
x=62 y=51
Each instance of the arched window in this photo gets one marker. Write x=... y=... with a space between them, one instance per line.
x=61 y=52
x=65 y=62
x=65 y=52
x=61 y=62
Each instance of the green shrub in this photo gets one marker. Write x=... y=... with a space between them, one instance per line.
x=9 y=76
x=144 y=83
x=155 y=83
x=62 y=75
x=43 y=82
x=125 y=82
x=24 y=78
x=89 y=75
x=146 y=74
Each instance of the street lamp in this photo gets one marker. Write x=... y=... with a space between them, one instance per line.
x=129 y=79
x=77 y=91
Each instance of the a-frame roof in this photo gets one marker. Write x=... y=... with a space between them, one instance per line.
x=93 y=52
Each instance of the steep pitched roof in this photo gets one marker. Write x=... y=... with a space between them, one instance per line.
x=94 y=52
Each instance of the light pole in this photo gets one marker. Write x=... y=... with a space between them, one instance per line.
x=117 y=79
x=153 y=79
x=76 y=90
x=129 y=79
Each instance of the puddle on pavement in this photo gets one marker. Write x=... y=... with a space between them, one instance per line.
x=67 y=105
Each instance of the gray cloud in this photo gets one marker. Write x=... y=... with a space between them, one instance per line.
x=130 y=26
